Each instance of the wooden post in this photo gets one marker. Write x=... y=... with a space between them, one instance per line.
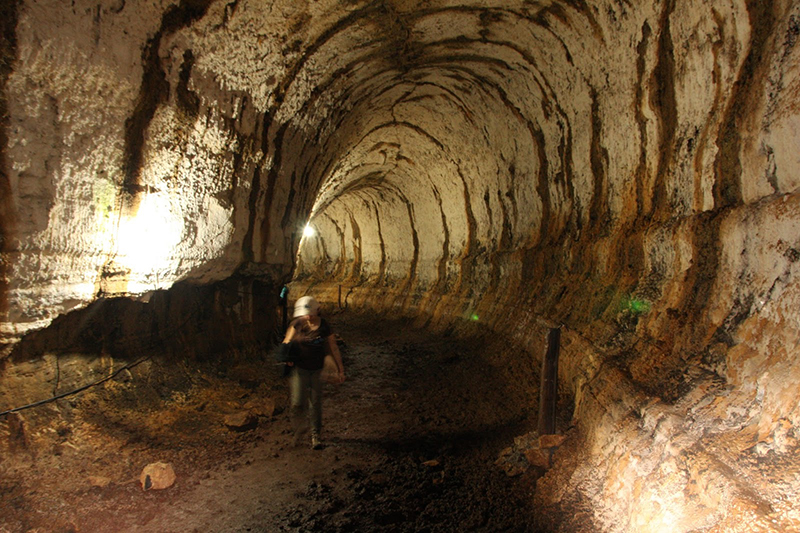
x=548 y=393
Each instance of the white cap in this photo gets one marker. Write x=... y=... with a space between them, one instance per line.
x=306 y=305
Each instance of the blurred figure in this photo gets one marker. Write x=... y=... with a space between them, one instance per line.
x=308 y=341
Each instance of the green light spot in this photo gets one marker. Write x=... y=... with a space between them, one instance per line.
x=639 y=306
x=474 y=317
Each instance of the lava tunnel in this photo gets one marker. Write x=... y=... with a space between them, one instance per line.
x=466 y=186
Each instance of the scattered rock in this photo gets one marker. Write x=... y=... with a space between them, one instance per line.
x=526 y=441
x=157 y=476
x=538 y=457
x=261 y=407
x=241 y=421
x=512 y=462
x=99 y=481
x=246 y=375
x=551 y=441
x=529 y=450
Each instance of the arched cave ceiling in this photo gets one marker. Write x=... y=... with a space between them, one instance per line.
x=454 y=147
x=452 y=139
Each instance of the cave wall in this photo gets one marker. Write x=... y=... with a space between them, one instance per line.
x=131 y=161
x=619 y=178
x=626 y=171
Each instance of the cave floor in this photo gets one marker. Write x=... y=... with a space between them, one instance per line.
x=410 y=444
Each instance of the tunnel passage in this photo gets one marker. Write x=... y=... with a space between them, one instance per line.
x=627 y=172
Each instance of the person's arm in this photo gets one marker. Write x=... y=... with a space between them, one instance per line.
x=290 y=333
x=333 y=349
x=287 y=339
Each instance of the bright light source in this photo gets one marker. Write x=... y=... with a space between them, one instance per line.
x=308 y=231
x=147 y=239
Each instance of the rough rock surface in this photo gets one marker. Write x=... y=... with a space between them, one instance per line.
x=157 y=476
x=628 y=171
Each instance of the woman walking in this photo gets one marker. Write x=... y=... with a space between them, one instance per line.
x=309 y=339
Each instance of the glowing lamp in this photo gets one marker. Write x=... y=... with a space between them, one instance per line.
x=146 y=240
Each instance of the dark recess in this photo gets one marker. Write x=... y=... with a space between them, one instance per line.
x=8 y=54
x=186 y=322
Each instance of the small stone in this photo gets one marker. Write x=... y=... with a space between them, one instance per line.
x=504 y=455
x=511 y=462
x=538 y=457
x=551 y=441
x=261 y=407
x=99 y=481
x=157 y=476
x=526 y=440
x=431 y=463
x=241 y=421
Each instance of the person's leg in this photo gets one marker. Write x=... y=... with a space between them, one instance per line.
x=300 y=383
x=315 y=405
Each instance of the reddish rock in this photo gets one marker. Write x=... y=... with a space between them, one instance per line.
x=99 y=481
x=551 y=441
x=241 y=421
x=261 y=407
x=157 y=476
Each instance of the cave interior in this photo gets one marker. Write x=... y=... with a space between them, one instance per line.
x=623 y=173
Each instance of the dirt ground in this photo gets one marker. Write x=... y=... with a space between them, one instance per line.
x=410 y=443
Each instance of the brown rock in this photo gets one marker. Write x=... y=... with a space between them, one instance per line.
x=538 y=457
x=261 y=407
x=241 y=421
x=551 y=441
x=511 y=462
x=513 y=470
x=99 y=481
x=157 y=476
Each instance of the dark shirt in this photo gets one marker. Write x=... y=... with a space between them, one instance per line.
x=311 y=344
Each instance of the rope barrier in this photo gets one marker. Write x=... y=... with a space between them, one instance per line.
x=55 y=397
x=79 y=389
